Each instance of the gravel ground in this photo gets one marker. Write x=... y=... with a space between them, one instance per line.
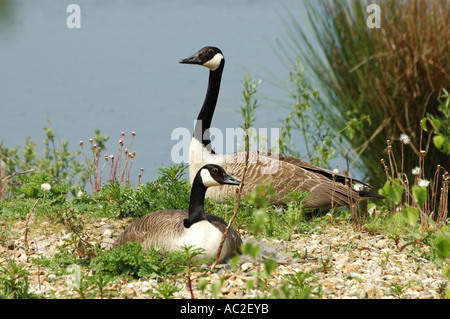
x=346 y=264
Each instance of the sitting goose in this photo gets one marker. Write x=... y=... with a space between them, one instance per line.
x=173 y=229
x=285 y=173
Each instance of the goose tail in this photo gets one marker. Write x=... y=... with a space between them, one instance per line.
x=366 y=194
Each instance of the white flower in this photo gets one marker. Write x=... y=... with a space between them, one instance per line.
x=335 y=171
x=423 y=183
x=416 y=170
x=404 y=138
x=80 y=193
x=46 y=187
x=358 y=187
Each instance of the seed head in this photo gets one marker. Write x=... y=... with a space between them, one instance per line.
x=46 y=187
x=416 y=170
x=404 y=139
x=423 y=183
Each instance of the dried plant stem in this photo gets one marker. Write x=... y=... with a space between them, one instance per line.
x=189 y=281
x=238 y=199
x=26 y=224
x=88 y=166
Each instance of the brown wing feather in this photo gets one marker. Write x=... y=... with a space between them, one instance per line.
x=285 y=174
x=325 y=172
x=161 y=227
x=153 y=227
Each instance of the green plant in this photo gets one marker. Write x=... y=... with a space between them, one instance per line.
x=397 y=290
x=165 y=288
x=83 y=286
x=100 y=282
x=14 y=281
x=132 y=260
x=169 y=191
x=421 y=200
x=189 y=258
x=250 y=102
x=78 y=244
x=321 y=143
x=293 y=213
x=91 y=286
x=442 y=246
x=56 y=161
x=298 y=286
x=440 y=124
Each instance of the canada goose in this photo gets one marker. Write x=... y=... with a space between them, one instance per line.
x=172 y=229
x=285 y=173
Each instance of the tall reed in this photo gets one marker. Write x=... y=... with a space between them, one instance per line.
x=394 y=74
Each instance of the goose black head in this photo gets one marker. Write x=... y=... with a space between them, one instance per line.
x=215 y=175
x=210 y=57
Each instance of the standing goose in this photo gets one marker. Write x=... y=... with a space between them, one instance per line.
x=285 y=173
x=173 y=229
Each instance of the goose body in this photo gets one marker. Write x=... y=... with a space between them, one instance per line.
x=173 y=229
x=285 y=173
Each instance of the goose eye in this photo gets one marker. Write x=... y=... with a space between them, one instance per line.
x=210 y=51
x=214 y=170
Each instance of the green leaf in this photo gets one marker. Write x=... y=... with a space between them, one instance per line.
x=316 y=94
x=350 y=132
x=251 y=249
x=438 y=141
x=216 y=286
x=411 y=214
x=261 y=218
x=420 y=194
x=270 y=266
x=446 y=273
x=394 y=192
x=423 y=124
x=436 y=124
x=442 y=243
x=443 y=247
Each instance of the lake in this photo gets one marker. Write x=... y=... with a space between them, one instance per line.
x=119 y=71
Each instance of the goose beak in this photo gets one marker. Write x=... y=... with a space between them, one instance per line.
x=231 y=180
x=193 y=59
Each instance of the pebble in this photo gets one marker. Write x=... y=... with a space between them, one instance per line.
x=357 y=266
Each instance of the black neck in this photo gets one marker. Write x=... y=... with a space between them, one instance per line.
x=203 y=124
x=196 y=203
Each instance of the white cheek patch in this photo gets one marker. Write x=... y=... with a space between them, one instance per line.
x=214 y=63
x=207 y=179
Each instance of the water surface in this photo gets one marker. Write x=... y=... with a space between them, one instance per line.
x=120 y=73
